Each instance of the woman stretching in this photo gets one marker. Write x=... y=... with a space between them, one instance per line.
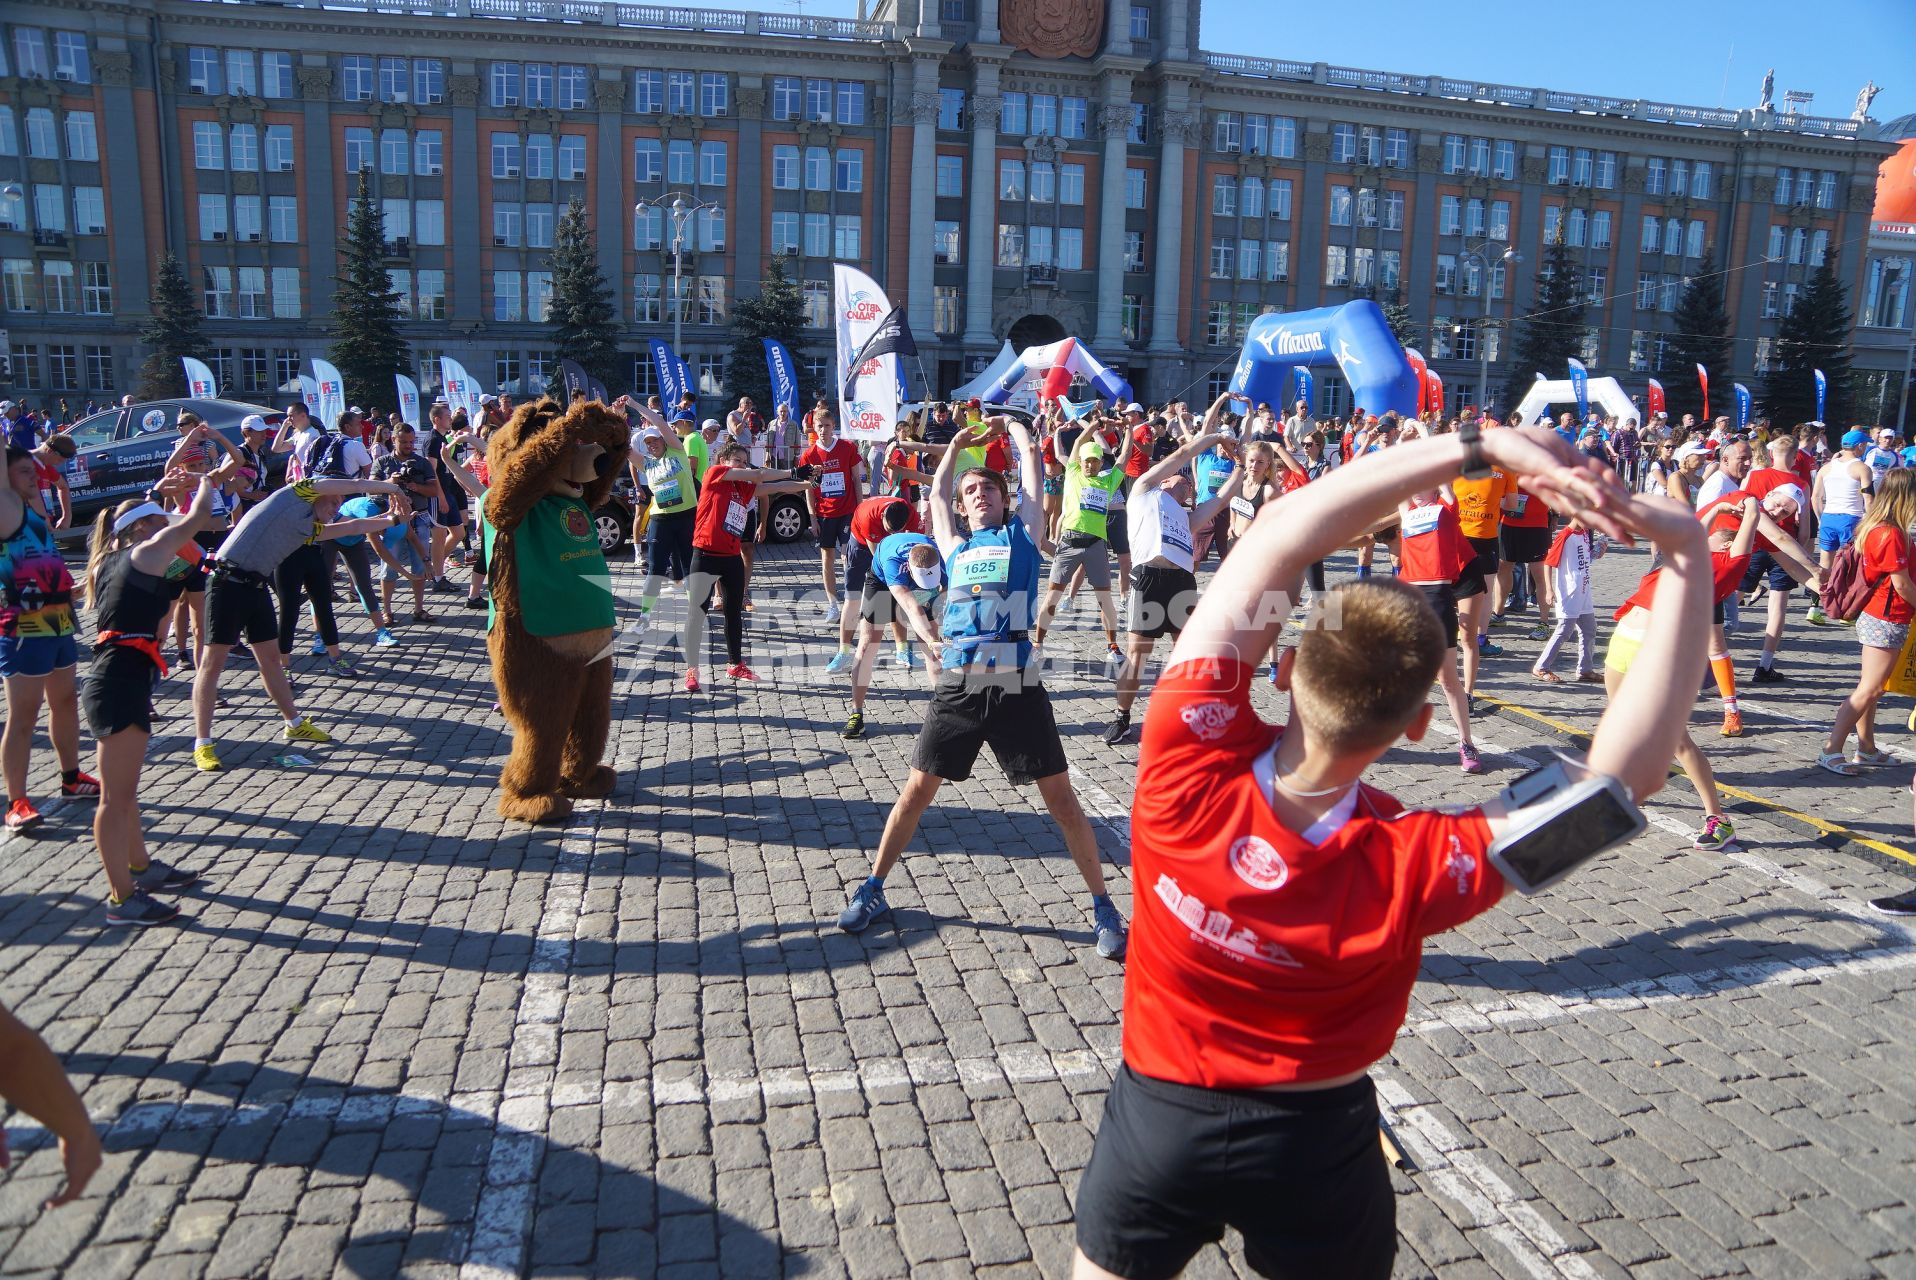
x=1882 y=626
x=138 y=562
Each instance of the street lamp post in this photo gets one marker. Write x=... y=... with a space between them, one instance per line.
x=1510 y=257
x=680 y=211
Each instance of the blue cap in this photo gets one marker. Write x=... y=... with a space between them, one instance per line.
x=1855 y=436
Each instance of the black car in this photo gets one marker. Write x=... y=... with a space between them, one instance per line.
x=122 y=451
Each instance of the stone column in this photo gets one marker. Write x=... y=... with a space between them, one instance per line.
x=988 y=29
x=982 y=236
x=1117 y=27
x=1114 y=125
x=1178 y=124
x=462 y=95
x=745 y=223
x=322 y=212
x=922 y=110
x=120 y=145
x=611 y=215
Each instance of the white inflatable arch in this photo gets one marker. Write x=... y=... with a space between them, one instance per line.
x=1603 y=392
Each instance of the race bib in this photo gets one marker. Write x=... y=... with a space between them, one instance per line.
x=1523 y=504
x=735 y=517
x=1243 y=507
x=1420 y=520
x=666 y=493
x=981 y=567
x=1178 y=535
x=1093 y=499
x=832 y=483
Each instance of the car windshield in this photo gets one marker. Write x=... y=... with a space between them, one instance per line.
x=91 y=433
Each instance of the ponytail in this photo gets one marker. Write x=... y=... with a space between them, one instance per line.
x=98 y=544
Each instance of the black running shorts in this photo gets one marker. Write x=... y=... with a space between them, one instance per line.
x=234 y=607
x=1013 y=716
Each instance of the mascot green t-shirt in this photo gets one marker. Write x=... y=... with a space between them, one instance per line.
x=564 y=585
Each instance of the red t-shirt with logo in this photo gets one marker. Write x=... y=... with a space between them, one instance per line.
x=1532 y=512
x=1885 y=550
x=1804 y=467
x=837 y=496
x=1142 y=438
x=724 y=506
x=1256 y=957
x=1431 y=546
x=868 y=521
x=1768 y=480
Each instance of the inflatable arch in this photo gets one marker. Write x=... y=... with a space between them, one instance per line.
x=1604 y=393
x=1057 y=363
x=1354 y=337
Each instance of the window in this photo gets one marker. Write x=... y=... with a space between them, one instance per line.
x=1700 y=180
x=216 y=292
x=99 y=368
x=252 y=293
x=1226 y=131
x=1825 y=190
x=1011 y=179
x=1341 y=206
x=648 y=160
x=505 y=155
x=212 y=217
x=1504 y=160
x=1012 y=113
x=1600 y=229
x=1497 y=226
x=1343 y=143
x=1396 y=148
x=276 y=75
x=507 y=305
x=851 y=102
x=244 y=147
x=946 y=315
x=49 y=207
x=89 y=211
x=505 y=226
x=1446 y=273
x=850 y=169
x=847 y=233
x=1453 y=153
x=505 y=364
x=786 y=93
x=82 y=142
x=539 y=155
x=1450 y=216
x=818 y=235
x=949 y=173
x=1131 y=316
x=1693 y=239
x=209 y=144
x=785 y=232
x=715 y=93
x=1277 y=260
x=1250 y=197
x=20 y=290
x=1672 y=236
x=429 y=153
x=1656 y=176
x=1249 y=258
x=1577 y=227
x=1140 y=130
x=648 y=228
x=9 y=140
x=1217 y=324
x=1596 y=284
x=1280 y=192
x=1805 y=181
x=1134 y=188
x=1073 y=117
x=1557 y=165
x=1140 y=22
x=1653 y=229
x=1582 y=166
x=1679 y=177
x=538 y=226
x=395 y=80
x=1389 y=268
x=1044 y=183
x=428 y=82
x=648 y=92
x=429 y=221
x=1479 y=156
x=63 y=368
x=1473 y=217
x=1011 y=245
x=951 y=108
x=1337 y=265
x=538 y=84
x=1606 y=170
x=1223 y=259
x=1070 y=248
x=504 y=92
x=279 y=148
x=1819 y=247
x=1257 y=134
x=572 y=157
x=1393 y=211
x=359 y=150
x=711 y=230
x=58 y=289
x=539 y=295
x=70 y=60
x=818 y=169
x=1370 y=145
x=252 y=363
x=645 y=299
x=202 y=71
x=13 y=210
x=282 y=219
x=395 y=151
x=785 y=167
x=356 y=78
x=1134 y=252
x=1283 y=137
x=246 y=218
x=572 y=88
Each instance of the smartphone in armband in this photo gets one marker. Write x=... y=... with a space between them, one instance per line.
x=1560 y=817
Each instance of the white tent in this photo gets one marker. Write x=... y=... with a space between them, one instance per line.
x=1604 y=393
x=977 y=386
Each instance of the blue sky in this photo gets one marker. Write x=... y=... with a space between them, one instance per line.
x=1664 y=50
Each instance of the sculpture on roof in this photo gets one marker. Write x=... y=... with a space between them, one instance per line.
x=1769 y=90
x=1865 y=96
x=1053 y=28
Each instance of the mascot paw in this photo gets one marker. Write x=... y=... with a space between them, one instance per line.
x=594 y=786
x=537 y=808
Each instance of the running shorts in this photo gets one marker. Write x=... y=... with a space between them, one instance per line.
x=118 y=692
x=236 y=606
x=832 y=531
x=1442 y=597
x=1763 y=567
x=1013 y=716
x=1524 y=545
x=1075 y=549
x=1162 y=597
x=1475 y=579
x=37 y=655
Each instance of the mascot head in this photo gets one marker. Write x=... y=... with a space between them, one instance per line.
x=581 y=449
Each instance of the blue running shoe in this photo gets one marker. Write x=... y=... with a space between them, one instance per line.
x=867 y=904
x=840 y=663
x=1109 y=926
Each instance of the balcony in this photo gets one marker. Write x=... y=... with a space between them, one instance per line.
x=50 y=239
x=1041 y=273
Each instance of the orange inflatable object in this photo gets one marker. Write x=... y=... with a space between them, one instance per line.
x=1896 y=187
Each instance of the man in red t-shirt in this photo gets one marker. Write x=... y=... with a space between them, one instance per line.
x=1281 y=903
x=839 y=472
x=727 y=493
x=1782 y=490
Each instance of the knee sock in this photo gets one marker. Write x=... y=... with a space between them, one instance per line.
x=1363 y=571
x=1725 y=673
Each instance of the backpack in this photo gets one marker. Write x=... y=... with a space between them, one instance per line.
x=1846 y=588
x=326 y=457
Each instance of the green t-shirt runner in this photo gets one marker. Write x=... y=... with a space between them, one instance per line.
x=1088 y=498
x=569 y=589
x=697 y=450
x=670 y=477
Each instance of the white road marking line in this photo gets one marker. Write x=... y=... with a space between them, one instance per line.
x=1769 y=712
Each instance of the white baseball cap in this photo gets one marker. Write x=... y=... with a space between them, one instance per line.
x=5 y=405
x=253 y=422
x=1691 y=450
x=1134 y=407
x=713 y=423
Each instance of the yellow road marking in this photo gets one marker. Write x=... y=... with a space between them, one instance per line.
x=1748 y=797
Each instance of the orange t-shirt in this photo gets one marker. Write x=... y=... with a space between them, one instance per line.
x=1480 y=503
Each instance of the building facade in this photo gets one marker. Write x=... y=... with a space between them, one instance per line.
x=1018 y=169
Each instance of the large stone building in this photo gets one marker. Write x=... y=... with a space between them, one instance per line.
x=1012 y=168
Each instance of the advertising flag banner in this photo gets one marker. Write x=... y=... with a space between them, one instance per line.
x=666 y=365
x=1306 y=386
x=1655 y=397
x=784 y=375
x=460 y=390
x=576 y=382
x=199 y=380
x=891 y=337
x=1580 y=384
x=408 y=398
x=868 y=400
x=309 y=395
x=1742 y=405
x=1822 y=392
x=332 y=393
x=1703 y=381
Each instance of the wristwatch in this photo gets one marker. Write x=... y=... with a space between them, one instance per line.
x=1475 y=465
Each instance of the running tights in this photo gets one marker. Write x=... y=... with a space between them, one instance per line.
x=305 y=571
x=725 y=571
x=359 y=563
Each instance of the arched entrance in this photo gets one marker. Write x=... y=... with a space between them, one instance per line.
x=1035 y=330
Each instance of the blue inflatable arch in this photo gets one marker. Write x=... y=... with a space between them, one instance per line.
x=1354 y=338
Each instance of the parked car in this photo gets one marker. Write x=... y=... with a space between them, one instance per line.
x=122 y=451
x=618 y=519
x=787 y=519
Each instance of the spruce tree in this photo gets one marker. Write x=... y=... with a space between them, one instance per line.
x=1701 y=337
x=367 y=346
x=778 y=312
x=1814 y=335
x=1403 y=326
x=173 y=330
x=1552 y=333
x=584 y=321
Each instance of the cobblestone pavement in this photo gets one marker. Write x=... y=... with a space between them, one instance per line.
x=399 y=1036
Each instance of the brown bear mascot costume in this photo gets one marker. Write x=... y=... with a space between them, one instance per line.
x=550 y=625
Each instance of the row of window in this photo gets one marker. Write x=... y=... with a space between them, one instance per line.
x=818 y=235
x=1246 y=259
x=43 y=134
x=566 y=86
x=827 y=101
x=1042 y=182
x=423 y=151
x=702 y=232
x=69 y=59
x=1038 y=245
x=238 y=148
x=1806 y=186
x=682 y=163
x=1255 y=198
x=63 y=368
x=1799 y=245
x=1040 y=115
x=533 y=156
x=50 y=210
x=56 y=287
x=245 y=73
x=817 y=169
x=1261 y=135
x=251 y=300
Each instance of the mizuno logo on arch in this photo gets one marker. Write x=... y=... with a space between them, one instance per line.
x=1282 y=342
